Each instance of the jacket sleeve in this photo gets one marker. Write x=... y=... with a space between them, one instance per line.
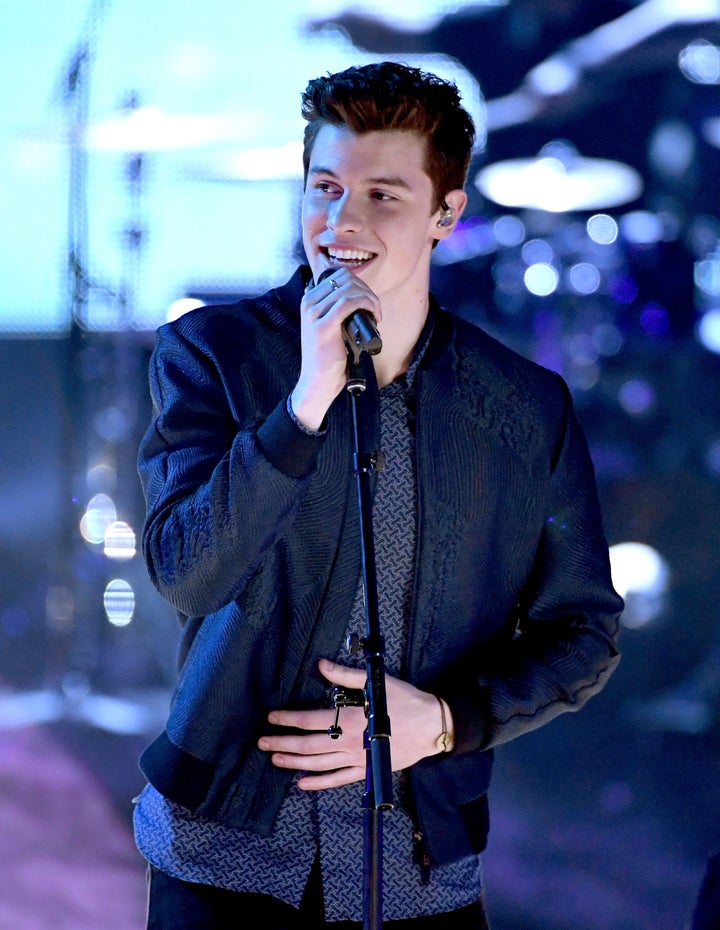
x=563 y=646
x=221 y=481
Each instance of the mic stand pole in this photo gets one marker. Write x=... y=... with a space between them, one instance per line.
x=378 y=769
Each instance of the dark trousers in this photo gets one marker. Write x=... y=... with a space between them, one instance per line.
x=177 y=905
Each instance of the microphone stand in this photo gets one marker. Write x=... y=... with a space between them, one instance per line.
x=378 y=768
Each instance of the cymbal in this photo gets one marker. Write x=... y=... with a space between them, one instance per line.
x=146 y=129
x=150 y=129
x=559 y=185
x=269 y=163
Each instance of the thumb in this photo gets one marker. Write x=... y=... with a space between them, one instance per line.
x=342 y=675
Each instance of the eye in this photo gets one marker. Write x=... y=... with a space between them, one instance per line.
x=325 y=187
x=382 y=196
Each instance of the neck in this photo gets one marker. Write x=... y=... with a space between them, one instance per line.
x=400 y=331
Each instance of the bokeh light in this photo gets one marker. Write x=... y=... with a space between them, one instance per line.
x=637 y=396
x=602 y=229
x=700 y=62
x=708 y=331
x=119 y=602
x=541 y=279
x=640 y=576
x=120 y=541
x=98 y=516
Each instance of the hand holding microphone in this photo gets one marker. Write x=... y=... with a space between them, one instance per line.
x=328 y=326
x=359 y=329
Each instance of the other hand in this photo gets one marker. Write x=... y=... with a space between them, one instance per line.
x=415 y=721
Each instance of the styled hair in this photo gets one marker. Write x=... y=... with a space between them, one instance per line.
x=392 y=96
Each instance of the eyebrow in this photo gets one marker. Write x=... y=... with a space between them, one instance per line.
x=385 y=182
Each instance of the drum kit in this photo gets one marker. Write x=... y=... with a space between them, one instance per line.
x=557 y=180
x=558 y=183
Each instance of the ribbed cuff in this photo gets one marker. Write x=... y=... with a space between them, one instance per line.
x=289 y=448
x=471 y=718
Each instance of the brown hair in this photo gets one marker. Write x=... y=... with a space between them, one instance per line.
x=391 y=96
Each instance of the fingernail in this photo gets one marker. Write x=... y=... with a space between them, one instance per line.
x=263 y=744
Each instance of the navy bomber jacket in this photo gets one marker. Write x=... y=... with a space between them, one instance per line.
x=252 y=535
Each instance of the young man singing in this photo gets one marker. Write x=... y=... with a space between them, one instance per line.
x=495 y=598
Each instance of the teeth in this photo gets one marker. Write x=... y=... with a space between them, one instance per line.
x=349 y=255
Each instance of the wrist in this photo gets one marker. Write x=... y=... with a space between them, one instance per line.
x=299 y=423
x=308 y=412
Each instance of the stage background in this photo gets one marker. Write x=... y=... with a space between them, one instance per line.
x=150 y=156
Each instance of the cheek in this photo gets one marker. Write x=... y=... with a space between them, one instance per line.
x=312 y=221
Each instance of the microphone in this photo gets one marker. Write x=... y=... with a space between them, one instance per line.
x=359 y=329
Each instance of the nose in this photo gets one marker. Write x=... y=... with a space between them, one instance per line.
x=345 y=215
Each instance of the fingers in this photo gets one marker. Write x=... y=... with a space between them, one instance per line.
x=317 y=740
x=321 y=762
x=314 y=750
x=339 y=762
x=334 y=767
x=317 y=720
x=331 y=779
x=309 y=744
x=338 y=295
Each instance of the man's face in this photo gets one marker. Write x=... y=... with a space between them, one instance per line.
x=370 y=206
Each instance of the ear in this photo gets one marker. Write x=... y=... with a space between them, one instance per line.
x=446 y=220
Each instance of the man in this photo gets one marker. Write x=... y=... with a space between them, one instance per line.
x=494 y=589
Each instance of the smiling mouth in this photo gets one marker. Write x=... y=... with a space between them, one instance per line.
x=348 y=258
